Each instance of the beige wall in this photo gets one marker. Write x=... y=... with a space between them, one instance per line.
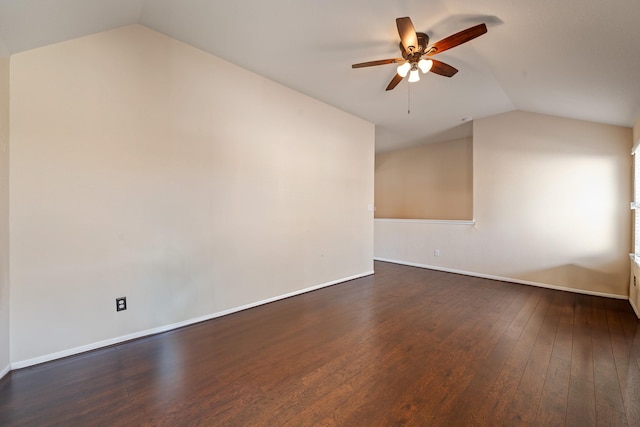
x=551 y=204
x=145 y=168
x=4 y=215
x=636 y=131
x=432 y=181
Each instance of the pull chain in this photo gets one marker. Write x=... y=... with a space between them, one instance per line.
x=408 y=98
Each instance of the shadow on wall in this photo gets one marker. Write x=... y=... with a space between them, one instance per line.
x=576 y=276
x=430 y=181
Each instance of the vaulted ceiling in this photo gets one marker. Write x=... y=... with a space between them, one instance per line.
x=570 y=58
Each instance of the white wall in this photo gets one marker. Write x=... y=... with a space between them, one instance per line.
x=145 y=168
x=4 y=216
x=551 y=204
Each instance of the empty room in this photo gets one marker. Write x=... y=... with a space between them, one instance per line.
x=362 y=213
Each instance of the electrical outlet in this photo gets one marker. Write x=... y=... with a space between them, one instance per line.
x=634 y=280
x=121 y=303
x=436 y=252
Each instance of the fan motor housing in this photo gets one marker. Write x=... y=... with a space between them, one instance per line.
x=423 y=42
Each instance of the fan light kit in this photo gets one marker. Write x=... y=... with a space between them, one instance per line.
x=412 y=69
x=415 y=49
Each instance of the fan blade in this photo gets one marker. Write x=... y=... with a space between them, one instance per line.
x=394 y=81
x=443 y=69
x=379 y=62
x=407 y=33
x=457 y=39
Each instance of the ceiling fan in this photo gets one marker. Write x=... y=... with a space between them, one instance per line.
x=415 y=50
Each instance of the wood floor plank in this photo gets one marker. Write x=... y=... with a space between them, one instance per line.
x=498 y=400
x=525 y=403
x=491 y=359
x=582 y=346
x=581 y=400
x=622 y=333
x=609 y=403
x=406 y=346
x=463 y=347
x=553 y=402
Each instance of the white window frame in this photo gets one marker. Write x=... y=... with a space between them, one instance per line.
x=635 y=204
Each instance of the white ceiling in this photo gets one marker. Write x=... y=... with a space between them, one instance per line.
x=570 y=58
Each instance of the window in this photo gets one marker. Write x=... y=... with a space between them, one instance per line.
x=635 y=205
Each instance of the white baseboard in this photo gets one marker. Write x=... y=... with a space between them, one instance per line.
x=117 y=340
x=5 y=371
x=506 y=279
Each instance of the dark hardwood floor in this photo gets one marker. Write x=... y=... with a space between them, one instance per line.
x=406 y=346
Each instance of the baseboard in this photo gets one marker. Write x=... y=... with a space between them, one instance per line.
x=153 y=331
x=5 y=371
x=506 y=279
